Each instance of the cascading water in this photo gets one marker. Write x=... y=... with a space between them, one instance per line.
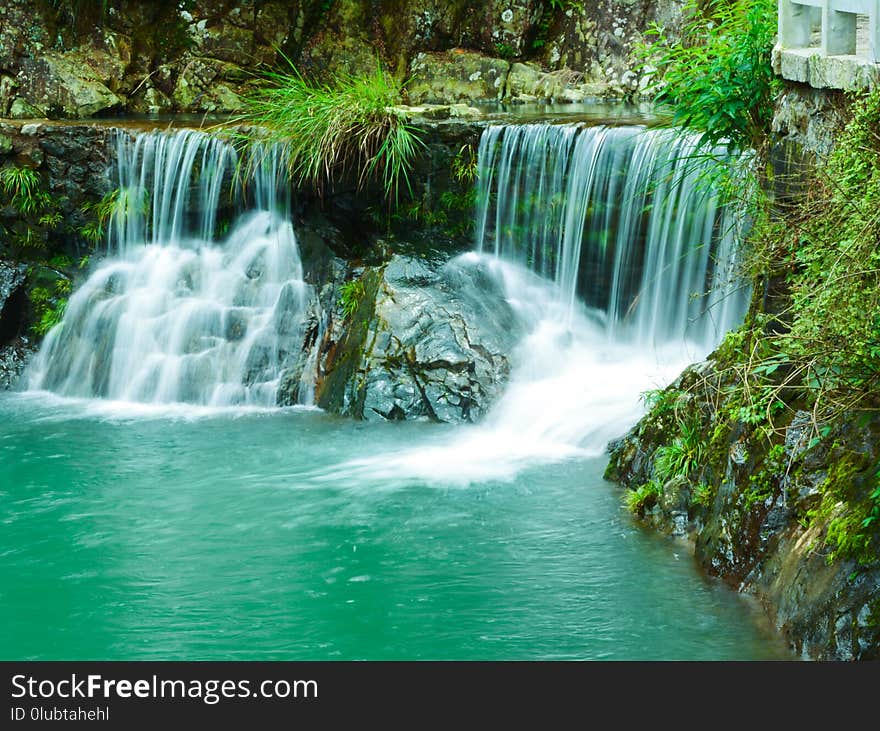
x=624 y=238
x=605 y=241
x=624 y=218
x=176 y=314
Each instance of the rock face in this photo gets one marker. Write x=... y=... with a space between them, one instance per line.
x=600 y=41
x=760 y=514
x=71 y=162
x=14 y=358
x=68 y=84
x=14 y=349
x=12 y=277
x=149 y=56
x=417 y=342
x=809 y=118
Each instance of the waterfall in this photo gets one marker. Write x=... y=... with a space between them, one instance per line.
x=178 y=312
x=615 y=253
x=626 y=219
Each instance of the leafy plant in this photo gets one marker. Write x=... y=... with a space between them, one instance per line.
x=328 y=130
x=464 y=165
x=350 y=295
x=682 y=456
x=661 y=401
x=505 y=50
x=49 y=306
x=119 y=202
x=643 y=498
x=717 y=79
x=21 y=187
x=38 y=211
x=703 y=495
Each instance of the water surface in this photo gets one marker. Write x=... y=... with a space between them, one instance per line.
x=133 y=533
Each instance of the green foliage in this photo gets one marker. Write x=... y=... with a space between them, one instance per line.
x=661 y=401
x=328 y=130
x=850 y=507
x=703 y=495
x=21 y=186
x=682 y=455
x=576 y=5
x=464 y=165
x=505 y=50
x=765 y=482
x=350 y=295
x=38 y=212
x=835 y=318
x=49 y=306
x=119 y=202
x=823 y=349
x=718 y=78
x=645 y=497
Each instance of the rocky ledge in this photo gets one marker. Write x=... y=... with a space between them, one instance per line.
x=767 y=515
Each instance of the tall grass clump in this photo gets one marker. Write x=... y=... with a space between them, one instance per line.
x=328 y=130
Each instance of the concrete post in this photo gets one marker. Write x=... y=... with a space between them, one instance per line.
x=874 y=34
x=838 y=31
x=795 y=24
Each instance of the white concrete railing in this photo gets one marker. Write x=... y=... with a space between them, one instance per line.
x=837 y=19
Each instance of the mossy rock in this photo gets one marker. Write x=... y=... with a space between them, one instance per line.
x=456 y=76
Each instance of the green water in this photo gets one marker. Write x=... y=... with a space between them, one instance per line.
x=233 y=536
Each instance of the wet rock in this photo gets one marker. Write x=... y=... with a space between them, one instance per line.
x=7 y=93
x=14 y=359
x=762 y=533
x=12 y=299
x=809 y=117
x=435 y=345
x=799 y=434
x=15 y=350
x=21 y=109
x=150 y=100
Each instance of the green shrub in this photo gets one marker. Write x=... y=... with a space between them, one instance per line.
x=49 y=306
x=704 y=495
x=681 y=456
x=718 y=79
x=38 y=211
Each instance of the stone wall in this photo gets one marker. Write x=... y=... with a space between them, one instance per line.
x=810 y=118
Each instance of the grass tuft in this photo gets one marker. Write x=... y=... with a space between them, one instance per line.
x=332 y=129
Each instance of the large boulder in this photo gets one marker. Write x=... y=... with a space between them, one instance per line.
x=208 y=85
x=423 y=342
x=600 y=41
x=70 y=84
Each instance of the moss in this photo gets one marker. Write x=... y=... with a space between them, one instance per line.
x=845 y=506
x=340 y=389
